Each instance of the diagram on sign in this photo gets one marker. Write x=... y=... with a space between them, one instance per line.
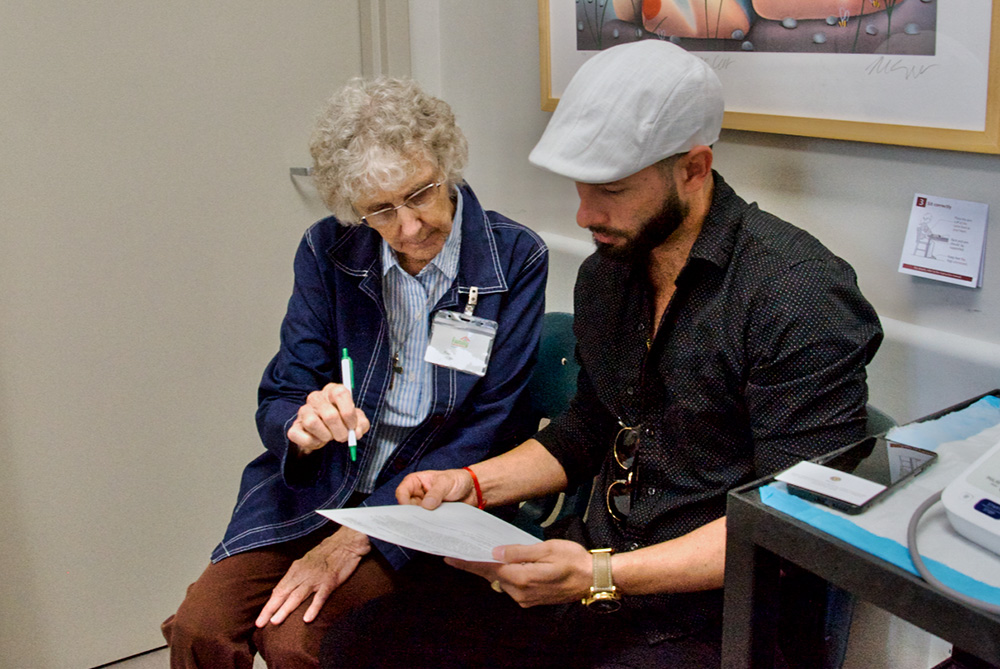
x=946 y=240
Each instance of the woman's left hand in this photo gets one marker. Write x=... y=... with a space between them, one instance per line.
x=319 y=572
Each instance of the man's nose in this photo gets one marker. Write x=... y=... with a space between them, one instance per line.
x=588 y=215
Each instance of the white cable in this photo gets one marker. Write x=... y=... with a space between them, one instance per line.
x=918 y=562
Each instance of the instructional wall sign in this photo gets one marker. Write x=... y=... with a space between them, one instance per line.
x=946 y=240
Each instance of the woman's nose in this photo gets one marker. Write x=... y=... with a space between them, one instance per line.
x=409 y=221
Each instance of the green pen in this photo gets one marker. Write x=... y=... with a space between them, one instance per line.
x=347 y=378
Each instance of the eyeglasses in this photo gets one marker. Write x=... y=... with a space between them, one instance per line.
x=419 y=199
x=619 y=497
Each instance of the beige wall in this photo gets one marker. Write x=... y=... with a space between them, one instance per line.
x=148 y=227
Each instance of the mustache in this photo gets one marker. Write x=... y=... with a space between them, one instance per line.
x=607 y=232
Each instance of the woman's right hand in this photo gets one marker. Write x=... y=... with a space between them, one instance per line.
x=326 y=416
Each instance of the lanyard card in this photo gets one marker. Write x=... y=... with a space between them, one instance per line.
x=462 y=342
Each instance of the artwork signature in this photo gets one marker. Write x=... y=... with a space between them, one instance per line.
x=718 y=63
x=897 y=67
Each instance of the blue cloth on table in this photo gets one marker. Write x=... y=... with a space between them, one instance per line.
x=962 y=424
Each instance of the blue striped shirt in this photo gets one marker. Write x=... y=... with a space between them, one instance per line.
x=408 y=302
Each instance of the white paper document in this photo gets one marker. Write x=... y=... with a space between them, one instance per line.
x=451 y=530
x=945 y=240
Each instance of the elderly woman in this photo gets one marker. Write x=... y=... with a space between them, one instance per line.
x=409 y=265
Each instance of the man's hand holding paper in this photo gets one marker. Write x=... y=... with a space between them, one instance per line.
x=430 y=488
x=548 y=572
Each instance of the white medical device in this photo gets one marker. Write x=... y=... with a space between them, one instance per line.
x=972 y=501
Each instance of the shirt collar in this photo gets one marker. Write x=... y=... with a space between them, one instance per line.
x=717 y=238
x=446 y=261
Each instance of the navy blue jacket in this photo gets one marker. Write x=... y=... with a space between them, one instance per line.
x=337 y=303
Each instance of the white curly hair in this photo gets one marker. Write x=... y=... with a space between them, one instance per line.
x=373 y=134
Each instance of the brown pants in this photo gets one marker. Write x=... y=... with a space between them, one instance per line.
x=214 y=626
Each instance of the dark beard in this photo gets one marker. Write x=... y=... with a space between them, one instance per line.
x=653 y=232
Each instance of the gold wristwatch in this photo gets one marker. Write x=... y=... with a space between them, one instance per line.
x=604 y=597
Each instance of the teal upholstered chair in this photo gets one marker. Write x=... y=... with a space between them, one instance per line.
x=552 y=386
x=879 y=422
x=553 y=383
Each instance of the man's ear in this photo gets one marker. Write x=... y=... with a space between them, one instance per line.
x=695 y=168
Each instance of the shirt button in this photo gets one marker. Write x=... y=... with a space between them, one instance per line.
x=633 y=546
x=651 y=491
x=630 y=390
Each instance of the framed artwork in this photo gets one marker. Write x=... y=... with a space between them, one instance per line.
x=908 y=72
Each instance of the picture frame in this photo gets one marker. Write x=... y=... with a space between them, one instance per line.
x=949 y=100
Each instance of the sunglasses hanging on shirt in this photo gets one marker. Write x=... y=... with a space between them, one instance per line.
x=619 y=495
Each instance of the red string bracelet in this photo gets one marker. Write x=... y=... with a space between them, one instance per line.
x=480 y=502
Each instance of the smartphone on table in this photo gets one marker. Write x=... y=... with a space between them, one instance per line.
x=855 y=477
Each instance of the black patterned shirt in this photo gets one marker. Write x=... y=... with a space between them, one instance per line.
x=759 y=362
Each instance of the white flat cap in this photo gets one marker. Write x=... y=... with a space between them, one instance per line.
x=628 y=107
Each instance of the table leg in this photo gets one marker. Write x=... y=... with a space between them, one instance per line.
x=750 y=614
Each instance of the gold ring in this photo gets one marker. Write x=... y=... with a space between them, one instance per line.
x=496 y=585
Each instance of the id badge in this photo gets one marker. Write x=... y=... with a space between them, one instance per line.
x=462 y=342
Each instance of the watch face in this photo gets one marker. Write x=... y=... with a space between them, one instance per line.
x=604 y=605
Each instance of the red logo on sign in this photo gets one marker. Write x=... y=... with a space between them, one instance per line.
x=921 y=202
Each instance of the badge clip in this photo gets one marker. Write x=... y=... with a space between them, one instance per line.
x=473 y=300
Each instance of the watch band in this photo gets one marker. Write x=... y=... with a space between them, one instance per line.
x=604 y=597
x=602 y=569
